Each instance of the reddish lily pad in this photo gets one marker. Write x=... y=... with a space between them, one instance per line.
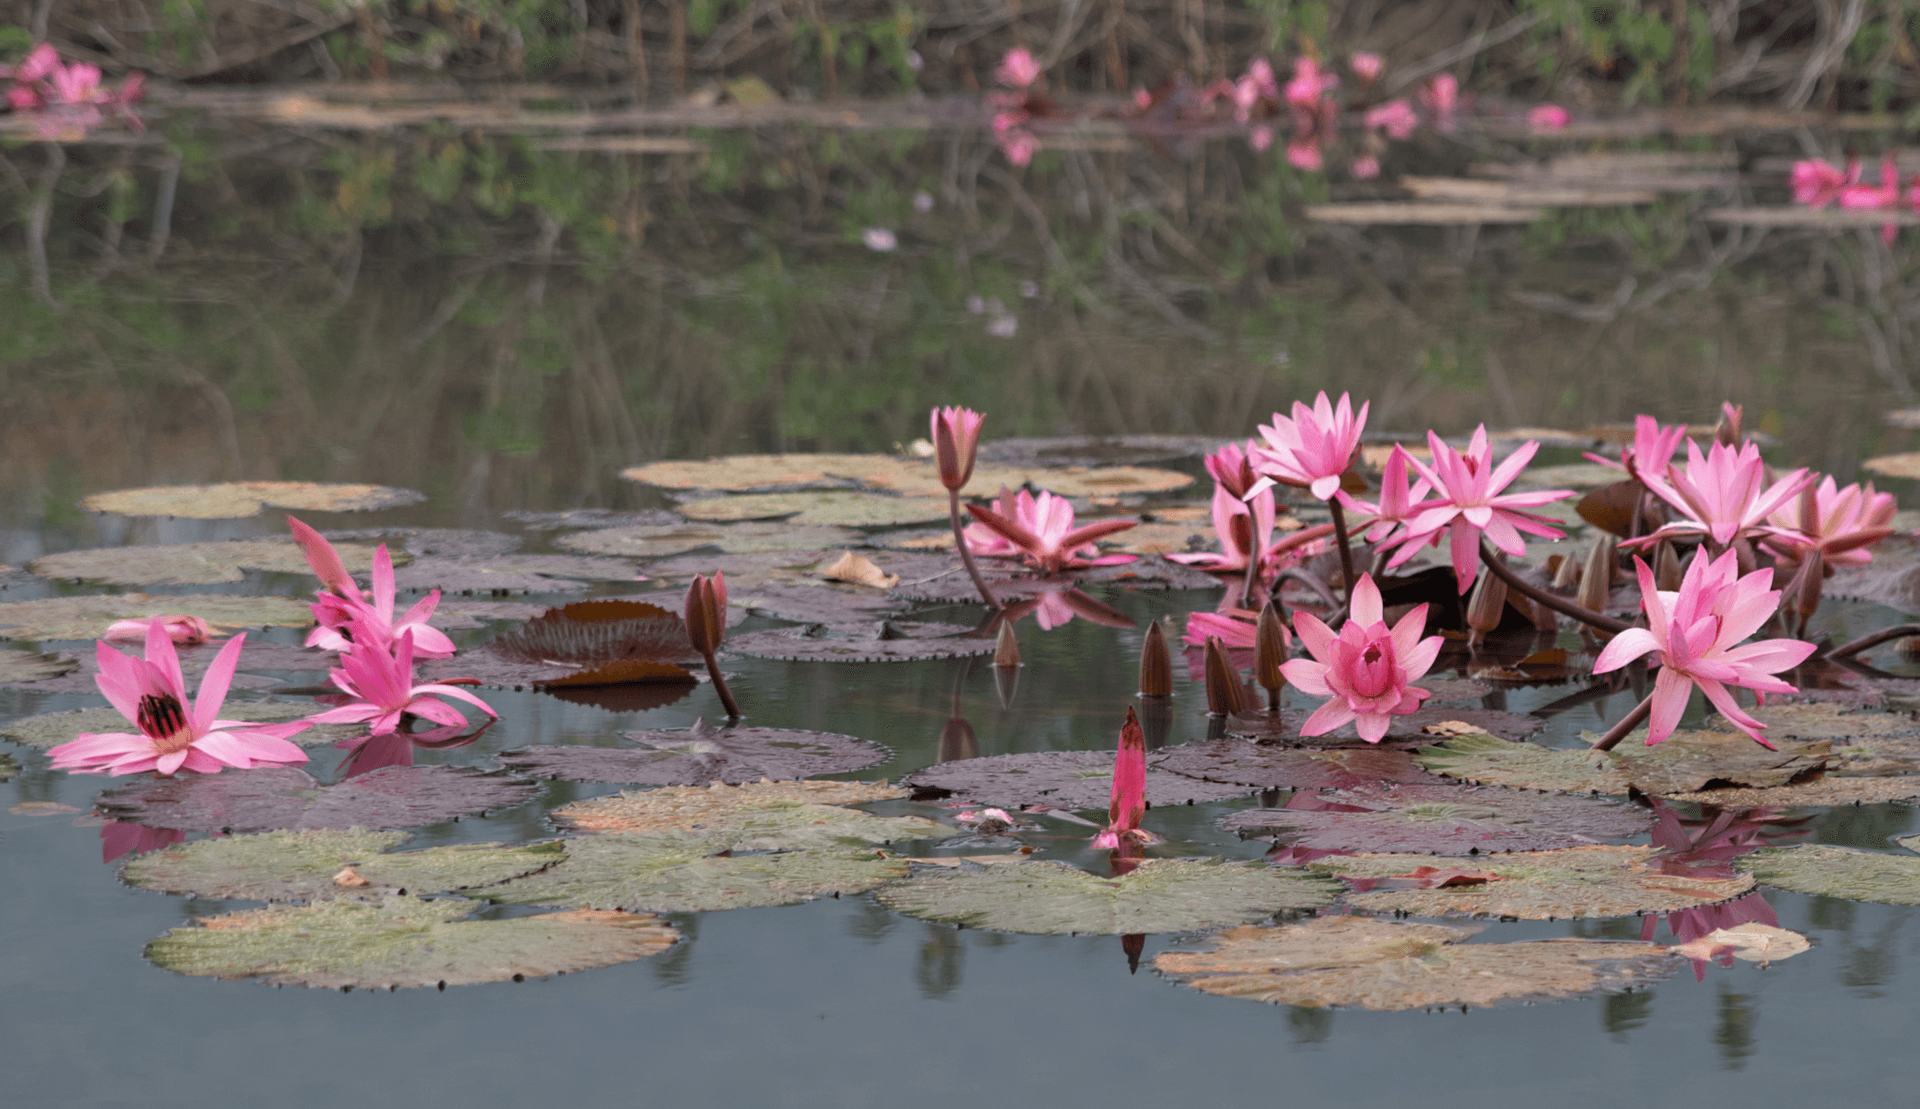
x=320 y=863
x=1542 y=885
x=612 y=641
x=517 y=573
x=263 y=800
x=1259 y=766
x=1063 y=779
x=190 y=563
x=237 y=499
x=1284 y=727
x=701 y=755
x=887 y=643
x=1442 y=820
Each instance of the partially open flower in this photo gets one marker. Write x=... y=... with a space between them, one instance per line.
x=184 y=630
x=1129 y=796
x=956 y=437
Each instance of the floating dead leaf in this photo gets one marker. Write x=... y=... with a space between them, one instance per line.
x=1284 y=727
x=1823 y=870
x=689 y=808
x=315 y=864
x=517 y=573
x=858 y=570
x=1544 y=885
x=827 y=507
x=1751 y=942
x=1441 y=819
x=663 y=541
x=1048 y=897
x=1063 y=779
x=403 y=941
x=50 y=729
x=608 y=642
x=822 y=643
x=267 y=799
x=1261 y=766
x=190 y=563
x=701 y=755
x=237 y=499
x=1360 y=963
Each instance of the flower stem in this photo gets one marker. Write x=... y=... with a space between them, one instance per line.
x=966 y=555
x=720 y=685
x=1627 y=724
x=1560 y=605
x=1898 y=631
x=1346 y=546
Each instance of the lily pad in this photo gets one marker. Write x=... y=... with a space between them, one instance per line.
x=831 y=507
x=434 y=542
x=701 y=755
x=1063 y=779
x=317 y=864
x=1685 y=762
x=1894 y=465
x=665 y=540
x=87 y=617
x=688 y=808
x=1825 y=721
x=262 y=800
x=518 y=573
x=534 y=520
x=1822 y=870
x=1443 y=820
x=237 y=499
x=50 y=729
x=1360 y=963
x=819 y=643
x=33 y=666
x=611 y=641
x=1265 y=767
x=686 y=872
x=258 y=655
x=1051 y=898
x=1830 y=790
x=403 y=941
x=744 y=473
x=189 y=563
x=814 y=603
x=1494 y=761
x=1545 y=885
x=1062 y=451
x=453 y=614
x=1284 y=727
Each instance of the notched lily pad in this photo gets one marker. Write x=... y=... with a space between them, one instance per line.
x=821 y=643
x=1051 y=898
x=1260 y=766
x=814 y=603
x=50 y=729
x=1360 y=963
x=316 y=864
x=236 y=499
x=1442 y=820
x=1284 y=727
x=1823 y=870
x=403 y=941
x=701 y=755
x=831 y=507
x=519 y=573
x=688 y=808
x=666 y=540
x=1063 y=779
x=1545 y=885
x=267 y=799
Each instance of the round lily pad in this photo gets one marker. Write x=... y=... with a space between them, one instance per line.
x=610 y=641
x=1284 y=727
x=1822 y=870
x=759 y=825
x=688 y=808
x=1824 y=721
x=1258 y=766
x=33 y=666
x=403 y=941
x=1696 y=760
x=831 y=507
x=316 y=864
x=534 y=520
x=686 y=872
x=50 y=729
x=190 y=563
x=266 y=799
x=700 y=755
x=1875 y=757
x=819 y=643
x=1443 y=819
x=662 y=541
x=1894 y=465
x=237 y=499
x=434 y=542
x=1051 y=898
x=456 y=613
x=87 y=617
x=1543 y=885
x=510 y=573
x=1356 y=962
x=744 y=472
x=1063 y=779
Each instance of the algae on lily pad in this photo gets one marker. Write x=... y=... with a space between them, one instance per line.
x=1494 y=761
x=1823 y=870
x=1063 y=779
x=701 y=754
x=237 y=499
x=403 y=941
x=1284 y=727
x=269 y=798
x=1361 y=963
x=1830 y=790
x=1539 y=885
x=50 y=729
x=830 y=507
x=191 y=563
x=319 y=863
x=1825 y=721
x=1049 y=897
x=688 y=808
x=1685 y=762
x=87 y=616
x=735 y=823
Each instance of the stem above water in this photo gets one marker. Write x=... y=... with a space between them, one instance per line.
x=1346 y=545
x=1561 y=605
x=966 y=555
x=1627 y=724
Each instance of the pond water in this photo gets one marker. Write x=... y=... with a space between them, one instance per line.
x=325 y=309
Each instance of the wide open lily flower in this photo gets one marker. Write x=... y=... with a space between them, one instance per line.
x=152 y=693
x=1839 y=523
x=1367 y=670
x=340 y=605
x=1040 y=530
x=1696 y=635
x=1470 y=503
x=378 y=682
x=1724 y=495
x=1652 y=449
x=1314 y=447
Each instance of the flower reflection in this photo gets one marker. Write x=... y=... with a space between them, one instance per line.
x=371 y=752
x=1705 y=847
x=1054 y=607
x=119 y=837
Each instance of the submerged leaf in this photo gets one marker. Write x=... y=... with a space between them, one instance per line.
x=87 y=617
x=403 y=941
x=700 y=755
x=51 y=729
x=261 y=800
x=688 y=808
x=237 y=499
x=1063 y=779
x=305 y=866
x=1543 y=885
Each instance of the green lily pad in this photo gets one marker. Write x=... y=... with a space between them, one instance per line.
x=1356 y=962
x=1825 y=721
x=312 y=865
x=747 y=825
x=1540 y=885
x=1686 y=761
x=1051 y=898
x=1822 y=870
x=1828 y=791
x=403 y=941
x=50 y=729
x=1490 y=760
x=906 y=476
x=684 y=872
x=661 y=541
x=691 y=808
x=744 y=472
x=32 y=666
x=1063 y=779
x=192 y=563
x=267 y=799
x=1444 y=819
x=87 y=617
x=831 y=507
x=236 y=499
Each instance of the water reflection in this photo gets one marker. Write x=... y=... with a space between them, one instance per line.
x=1624 y=1013
x=942 y=957
x=365 y=753
x=1734 y=1031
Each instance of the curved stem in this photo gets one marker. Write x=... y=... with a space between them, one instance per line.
x=966 y=555
x=1627 y=724
x=720 y=685
x=1252 y=580
x=1311 y=581
x=1898 y=631
x=1346 y=545
x=1561 y=605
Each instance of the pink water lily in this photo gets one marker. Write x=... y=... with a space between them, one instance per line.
x=1839 y=523
x=1696 y=634
x=1314 y=447
x=1234 y=627
x=956 y=437
x=1367 y=66
x=1396 y=117
x=1018 y=69
x=1040 y=530
x=1366 y=670
x=1398 y=501
x=1724 y=494
x=152 y=693
x=378 y=682
x=1817 y=184
x=1129 y=795
x=1470 y=503
x=1652 y=449
x=341 y=606
x=1548 y=117
x=185 y=630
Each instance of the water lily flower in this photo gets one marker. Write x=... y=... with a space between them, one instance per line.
x=1817 y=184
x=1723 y=495
x=1129 y=796
x=341 y=605
x=1055 y=607
x=1839 y=523
x=1040 y=530
x=880 y=240
x=1470 y=504
x=152 y=693
x=378 y=682
x=1304 y=154
x=1366 y=670
x=185 y=630
x=120 y=837
x=1314 y=447
x=1696 y=632
x=1018 y=69
x=956 y=437
x=1395 y=117
x=1441 y=97
x=1652 y=449
x=1366 y=167
x=1398 y=501
x=706 y=619
x=1548 y=117
x=1367 y=66
x=1308 y=85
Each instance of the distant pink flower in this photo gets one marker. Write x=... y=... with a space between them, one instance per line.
x=1305 y=154
x=1652 y=449
x=185 y=630
x=1548 y=117
x=1839 y=523
x=1367 y=67
x=1142 y=99
x=1308 y=85
x=1886 y=194
x=152 y=693
x=1129 y=795
x=1696 y=634
x=378 y=682
x=1040 y=530
x=1469 y=504
x=1018 y=69
x=1314 y=447
x=1366 y=167
x=1395 y=117
x=1441 y=95
x=880 y=240
x=1723 y=495
x=1017 y=143
x=341 y=605
x=1260 y=73
x=42 y=62
x=1366 y=670
x=1398 y=502
x=1817 y=184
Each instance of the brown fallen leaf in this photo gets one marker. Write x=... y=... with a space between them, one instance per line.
x=1453 y=728
x=350 y=879
x=858 y=570
x=1752 y=942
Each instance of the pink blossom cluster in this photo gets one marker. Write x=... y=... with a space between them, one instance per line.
x=1816 y=184
x=67 y=101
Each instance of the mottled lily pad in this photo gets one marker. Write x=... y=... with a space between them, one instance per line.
x=1822 y=870
x=686 y=872
x=831 y=507
x=259 y=655
x=763 y=825
x=701 y=755
x=1063 y=779
x=1685 y=762
x=263 y=800
x=820 y=643
x=237 y=499
x=1444 y=820
x=688 y=808
x=1544 y=885
x=191 y=563
x=32 y=666
x=316 y=864
x=744 y=473
x=1824 y=721
x=1051 y=898
x=534 y=520
x=1360 y=963
x=1284 y=727
x=814 y=603
x=434 y=542
x=50 y=729
x=403 y=941
x=1829 y=790
x=1265 y=767
x=1494 y=761
x=665 y=540
x=1096 y=450
x=516 y=573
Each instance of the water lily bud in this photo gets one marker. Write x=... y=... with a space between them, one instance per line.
x=1666 y=567
x=1006 y=648
x=706 y=612
x=956 y=435
x=957 y=742
x=1156 y=665
x=1566 y=572
x=1270 y=651
x=1596 y=577
x=1727 y=431
x=1488 y=603
x=1225 y=695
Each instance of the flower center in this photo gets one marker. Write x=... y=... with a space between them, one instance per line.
x=163 y=720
